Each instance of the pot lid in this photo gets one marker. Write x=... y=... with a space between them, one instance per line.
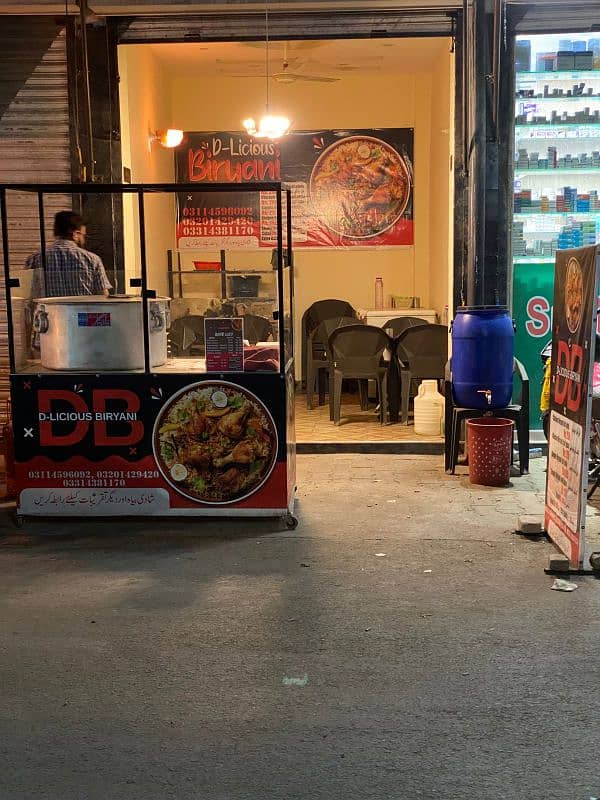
x=86 y=299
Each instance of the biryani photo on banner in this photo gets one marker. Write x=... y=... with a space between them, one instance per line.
x=350 y=188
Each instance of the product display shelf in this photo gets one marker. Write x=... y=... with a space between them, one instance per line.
x=561 y=98
x=558 y=171
x=562 y=214
x=558 y=75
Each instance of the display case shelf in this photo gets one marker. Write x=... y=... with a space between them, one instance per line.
x=529 y=214
x=557 y=125
x=559 y=75
x=557 y=171
x=561 y=99
x=534 y=259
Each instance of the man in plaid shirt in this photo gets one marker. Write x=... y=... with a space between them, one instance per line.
x=70 y=269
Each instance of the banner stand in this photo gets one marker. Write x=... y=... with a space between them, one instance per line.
x=573 y=348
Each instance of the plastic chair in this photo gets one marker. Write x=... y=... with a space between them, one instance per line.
x=186 y=334
x=257 y=329
x=357 y=352
x=422 y=353
x=400 y=324
x=318 y=359
x=456 y=415
x=313 y=316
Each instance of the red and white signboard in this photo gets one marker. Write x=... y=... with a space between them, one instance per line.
x=573 y=343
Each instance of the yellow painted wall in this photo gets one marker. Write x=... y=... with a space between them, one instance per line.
x=145 y=99
x=421 y=100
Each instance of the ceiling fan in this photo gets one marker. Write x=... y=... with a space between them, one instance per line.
x=287 y=75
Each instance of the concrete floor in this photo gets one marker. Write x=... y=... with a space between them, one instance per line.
x=238 y=662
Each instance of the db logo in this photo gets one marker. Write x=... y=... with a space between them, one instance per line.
x=567 y=382
x=71 y=410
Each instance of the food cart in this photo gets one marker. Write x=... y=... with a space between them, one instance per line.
x=110 y=418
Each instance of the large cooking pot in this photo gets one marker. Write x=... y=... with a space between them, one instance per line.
x=100 y=333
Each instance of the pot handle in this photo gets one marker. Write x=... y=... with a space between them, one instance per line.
x=157 y=318
x=40 y=320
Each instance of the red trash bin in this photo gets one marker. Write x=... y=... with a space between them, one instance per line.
x=489 y=448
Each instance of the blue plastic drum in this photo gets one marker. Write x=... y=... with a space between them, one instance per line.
x=483 y=349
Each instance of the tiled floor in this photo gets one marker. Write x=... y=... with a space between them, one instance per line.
x=356 y=425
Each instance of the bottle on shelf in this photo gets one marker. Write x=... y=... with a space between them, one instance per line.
x=378 y=294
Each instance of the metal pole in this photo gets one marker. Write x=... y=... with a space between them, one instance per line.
x=290 y=261
x=280 y=281
x=4 y=223
x=478 y=154
x=42 y=237
x=86 y=85
x=142 y=232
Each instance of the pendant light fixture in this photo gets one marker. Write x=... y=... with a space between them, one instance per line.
x=270 y=126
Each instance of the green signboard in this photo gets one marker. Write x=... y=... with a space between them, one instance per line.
x=533 y=289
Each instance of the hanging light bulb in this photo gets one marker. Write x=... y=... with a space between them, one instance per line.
x=270 y=126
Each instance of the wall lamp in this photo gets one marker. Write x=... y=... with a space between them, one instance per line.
x=169 y=137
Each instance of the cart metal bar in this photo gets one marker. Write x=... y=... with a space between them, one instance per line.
x=280 y=279
x=42 y=221
x=4 y=223
x=135 y=188
x=290 y=261
x=145 y=322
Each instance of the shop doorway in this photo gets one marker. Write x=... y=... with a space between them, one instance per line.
x=349 y=86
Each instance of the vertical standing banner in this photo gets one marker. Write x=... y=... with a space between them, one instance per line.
x=573 y=341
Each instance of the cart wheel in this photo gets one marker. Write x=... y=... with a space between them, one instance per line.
x=291 y=522
x=595 y=561
x=18 y=520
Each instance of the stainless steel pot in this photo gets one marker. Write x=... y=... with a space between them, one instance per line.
x=100 y=333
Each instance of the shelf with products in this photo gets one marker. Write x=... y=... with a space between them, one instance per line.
x=528 y=171
x=587 y=127
x=239 y=278
x=529 y=214
x=533 y=259
x=558 y=75
x=555 y=97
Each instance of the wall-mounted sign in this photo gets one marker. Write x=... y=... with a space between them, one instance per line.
x=573 y=343
x=350 y=188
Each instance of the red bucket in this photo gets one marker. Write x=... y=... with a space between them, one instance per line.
x=490 y=448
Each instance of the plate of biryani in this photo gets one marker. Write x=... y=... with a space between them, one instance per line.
x=360 y=187
x=215 y=442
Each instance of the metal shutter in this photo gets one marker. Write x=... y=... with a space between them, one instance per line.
x=554 y=16
x=34 y=139
x=289 y=25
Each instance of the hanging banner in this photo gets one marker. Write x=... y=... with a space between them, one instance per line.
x=350 y=188
x=573 y=342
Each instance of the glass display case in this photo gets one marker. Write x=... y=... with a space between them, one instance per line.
x=556 y=176
x=140 y=403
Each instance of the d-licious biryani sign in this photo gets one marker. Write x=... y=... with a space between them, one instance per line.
x=351 y=188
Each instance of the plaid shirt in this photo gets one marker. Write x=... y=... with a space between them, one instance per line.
x=70 y=270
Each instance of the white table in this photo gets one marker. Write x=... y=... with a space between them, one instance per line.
x=379 y=318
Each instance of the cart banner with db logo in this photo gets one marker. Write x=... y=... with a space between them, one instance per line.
x=349 y=188
x=163 y=444
x=573 y=342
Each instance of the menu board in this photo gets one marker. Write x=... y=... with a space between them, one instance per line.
x=573 y=343
x=224 y=342
x=350 y=188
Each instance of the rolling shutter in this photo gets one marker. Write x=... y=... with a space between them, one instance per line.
x=34 y=142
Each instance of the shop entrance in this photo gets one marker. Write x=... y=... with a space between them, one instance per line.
x=386 y=97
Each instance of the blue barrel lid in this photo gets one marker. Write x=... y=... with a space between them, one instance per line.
x=471 y=309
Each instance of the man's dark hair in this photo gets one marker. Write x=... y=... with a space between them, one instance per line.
x=66 y=223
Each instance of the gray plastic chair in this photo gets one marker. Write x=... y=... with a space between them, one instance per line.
x=318 y=358
x=257 y=329
x=422 y=353
x=400 y=324
x=312 y=318
x=357 y=352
